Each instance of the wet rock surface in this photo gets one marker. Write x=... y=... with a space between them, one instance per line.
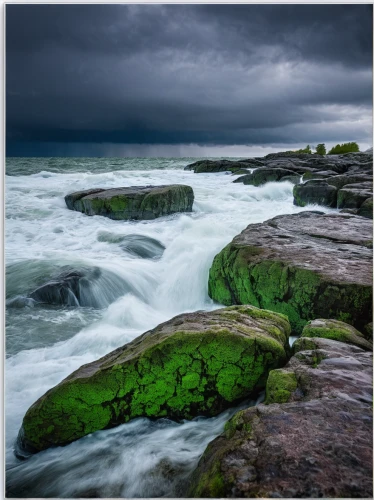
x=307 y=266
x=195 y=364
x=317 y=444
x=262 y=175
x=348 y=177
x=133 y=203
x=315 y=191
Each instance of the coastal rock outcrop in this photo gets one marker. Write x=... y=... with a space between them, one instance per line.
x=313 y=438
x=133 y=203
x=195 y=364
x=308 y=265
x=336 y=330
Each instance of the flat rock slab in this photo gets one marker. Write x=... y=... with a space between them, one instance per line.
x=308 y=265
x=133 y=203
x=319 y=444
x=195 y=364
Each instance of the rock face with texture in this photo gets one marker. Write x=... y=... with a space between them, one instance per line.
x=315 y=191
x=263 y=175
x=313 y=439
x=307 y=265
x=195 y=364
x=336 y=330
x=133 y=203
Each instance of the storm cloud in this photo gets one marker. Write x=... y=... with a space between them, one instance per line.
x=84 y=79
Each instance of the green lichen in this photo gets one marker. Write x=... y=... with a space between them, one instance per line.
x=237 y=423
x=280 y=386
x=336 y=330
x=211 y=484
x=178 y=374
x=238 y=277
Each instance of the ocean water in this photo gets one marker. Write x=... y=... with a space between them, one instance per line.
x=133 y=294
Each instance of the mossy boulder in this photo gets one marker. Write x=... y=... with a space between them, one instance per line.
x=133 y=203
x=311 y=439
x=336 y=330
x=306 y=266
x=315 y=191
x=195 y=364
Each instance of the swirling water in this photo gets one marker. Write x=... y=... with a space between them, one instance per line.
x=44 y=344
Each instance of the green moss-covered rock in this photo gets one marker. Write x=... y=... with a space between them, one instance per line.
x=336 y=330
x=305 y=266
x=194 y=364
x=133 y=203
x=279 y=386
x=315 y=442
x=315 y=191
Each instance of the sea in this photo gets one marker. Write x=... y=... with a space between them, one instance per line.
x=44 y=344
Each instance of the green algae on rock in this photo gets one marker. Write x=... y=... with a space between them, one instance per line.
x=195 y=364
x=316 y=443
x=336 y=330
x=280 y=385
x=133 y=203
x=306 y=265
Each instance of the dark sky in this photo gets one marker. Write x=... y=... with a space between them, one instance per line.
x=186 y=79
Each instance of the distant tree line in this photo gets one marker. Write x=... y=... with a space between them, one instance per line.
x=347 y=147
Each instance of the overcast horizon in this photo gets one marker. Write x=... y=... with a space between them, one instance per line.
x=186 y=80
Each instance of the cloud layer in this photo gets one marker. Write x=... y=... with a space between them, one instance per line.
x=186 y=74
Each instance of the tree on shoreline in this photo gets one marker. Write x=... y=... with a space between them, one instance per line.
x=321 y=149
x=347 y=147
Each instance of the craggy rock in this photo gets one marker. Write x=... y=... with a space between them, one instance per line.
x=336 y=330
x=339 y=181
x=209 y=166
x=315 y=191
x=318 y=444
x=195 y=364
x=366 y=209
x=137 y=203
x=354 y=195
x=306 y=266
x=263 y=175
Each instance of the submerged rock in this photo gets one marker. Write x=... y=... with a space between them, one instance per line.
x=137 y=245
x=83 y=286
x=195 y=364
x=307 y=265
x=133 y=203
x=315 y=441
x=336 y=330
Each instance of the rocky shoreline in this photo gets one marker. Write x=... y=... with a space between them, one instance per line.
x=307 y=274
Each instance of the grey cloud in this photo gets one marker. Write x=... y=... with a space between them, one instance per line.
x=205 y=74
